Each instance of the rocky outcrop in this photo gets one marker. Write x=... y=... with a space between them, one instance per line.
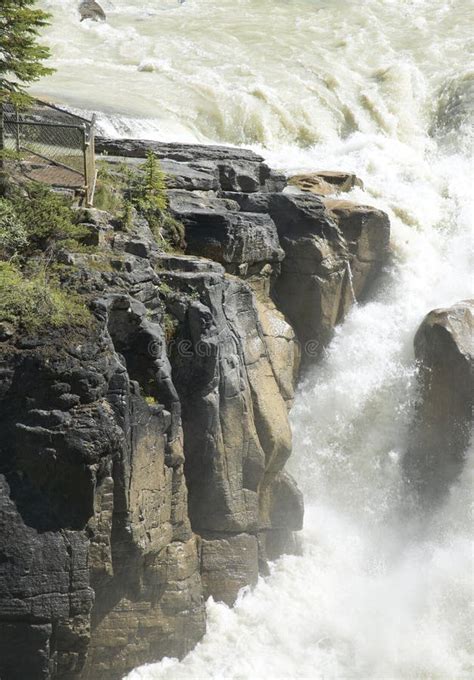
x=90 y=9
x=103 y=558
x=97 y=535
x=314 y=256
x=142 y=461
x=334 y=250
x=237 y=169
x=442 y=429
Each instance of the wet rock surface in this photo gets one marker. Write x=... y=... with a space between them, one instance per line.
x=441 y=433
x=90 y=9
x=326 y=183
x=142 y=462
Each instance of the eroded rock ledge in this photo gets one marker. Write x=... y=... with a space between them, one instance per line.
x=142 y=463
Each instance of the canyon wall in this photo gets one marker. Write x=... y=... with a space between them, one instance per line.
x=142 y=464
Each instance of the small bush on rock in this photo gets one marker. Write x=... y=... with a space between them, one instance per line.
x=37 y=302
x=13 y=234
x=122 y=189
x=109 y=190
x=147 y=193
x=48 y=218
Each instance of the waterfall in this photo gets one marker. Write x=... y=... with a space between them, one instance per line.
x=350 y=280
x=380 y=592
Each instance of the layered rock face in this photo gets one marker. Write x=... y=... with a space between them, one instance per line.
x=442 y=430
x=333 y=250
x=142 y=461
x=97 y=533
x=315 y=255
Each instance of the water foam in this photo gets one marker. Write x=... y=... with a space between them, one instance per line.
x=379 y=593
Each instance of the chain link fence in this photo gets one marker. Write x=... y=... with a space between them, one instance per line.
x=51 y=146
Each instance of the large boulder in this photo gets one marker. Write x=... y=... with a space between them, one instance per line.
x=442 y=428
x=90 y=9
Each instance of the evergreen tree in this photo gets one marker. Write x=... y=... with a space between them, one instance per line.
x=21 y=57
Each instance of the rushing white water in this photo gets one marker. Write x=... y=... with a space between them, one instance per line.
x=382 y=88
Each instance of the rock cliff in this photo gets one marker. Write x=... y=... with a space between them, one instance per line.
x=142 y=461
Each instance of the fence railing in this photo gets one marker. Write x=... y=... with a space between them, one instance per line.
x=51 y=146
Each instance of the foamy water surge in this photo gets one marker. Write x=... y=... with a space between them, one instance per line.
x=384 y=89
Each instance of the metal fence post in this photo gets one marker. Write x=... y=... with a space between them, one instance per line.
x=92 y=168
x=86 y=169
x=17 y=129
x=3 y=178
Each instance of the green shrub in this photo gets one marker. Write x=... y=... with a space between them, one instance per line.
x=121 y=188
x=171 y=325
x=148 y=190
x=36 y=303
x=127 y=216
x=173 y=232
x=48 y=218
x=13 y=236
x=147 y=193
x=109 y=190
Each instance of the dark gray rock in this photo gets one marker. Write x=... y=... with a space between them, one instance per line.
x=184 y=203
x=189 y=176
x=90 y=9
x=205 y=168
x=312 y=287
x=138 y=148
x=181 y=387
x=138 y=247
x=245 y=243
x=232 y=238
x=229 y=395
x=95 y=433
x=366 y=231
x=252 y=203
x=200 y=176
x=94 y=503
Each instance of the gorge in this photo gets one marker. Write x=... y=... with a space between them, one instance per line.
x=146 y=463
x=145 y=457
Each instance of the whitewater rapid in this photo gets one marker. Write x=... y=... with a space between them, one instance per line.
x=384 y=89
